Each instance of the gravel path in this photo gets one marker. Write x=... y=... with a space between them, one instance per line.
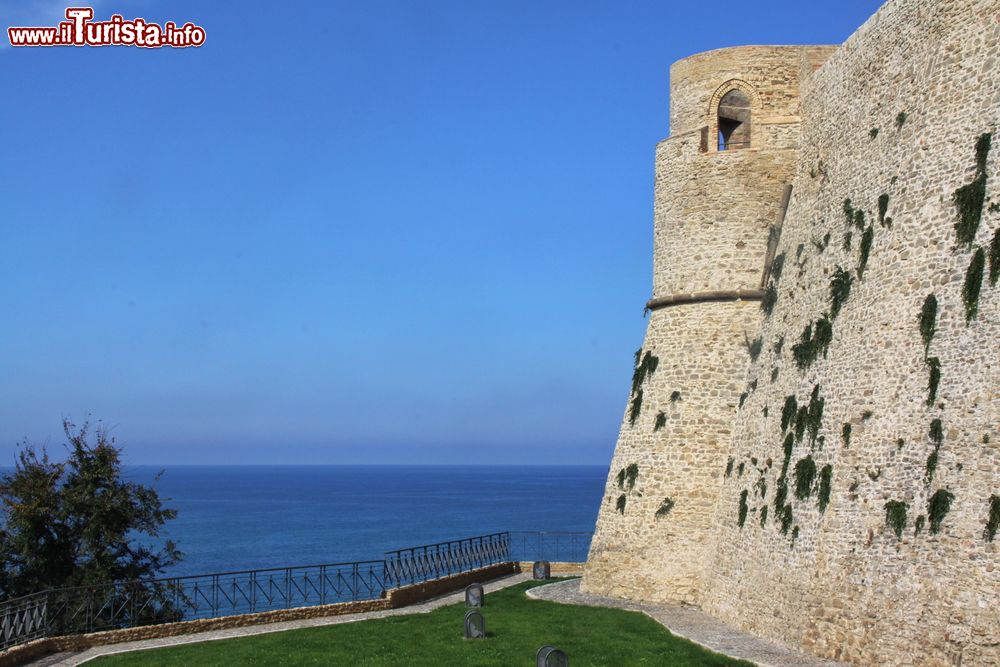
x=690 y=623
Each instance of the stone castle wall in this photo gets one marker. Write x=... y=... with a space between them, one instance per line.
x=840 y=581
x=654 y=533
x=854 y=519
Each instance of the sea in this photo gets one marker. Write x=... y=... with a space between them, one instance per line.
x=251 y=517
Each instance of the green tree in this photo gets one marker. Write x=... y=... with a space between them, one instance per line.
x=78 y=522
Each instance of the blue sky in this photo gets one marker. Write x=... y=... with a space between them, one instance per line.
x=399 y=232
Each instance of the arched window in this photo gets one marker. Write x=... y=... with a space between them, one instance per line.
x=734 y=121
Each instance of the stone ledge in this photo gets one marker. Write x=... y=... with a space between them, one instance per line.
x=705 y=297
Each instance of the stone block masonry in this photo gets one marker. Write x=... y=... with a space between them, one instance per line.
x=850 y=458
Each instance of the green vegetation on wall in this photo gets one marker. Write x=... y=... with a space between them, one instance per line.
x=900 y=119
x=754 y=347
x=934 y=366
x=938 y=507
x=840 y=290
x=895 y=517
x=805 y=475
x=969 y=198
x=918 y=525
x=770 y=298
x=788 y=412
x=973 y=284
x=729 y=466
x=825 y=487
x=995 y=257
x=661 y=421
x=786 y=519
x=993 y=519
x=620 y=504
x=787 y=446
x=744 y=508
x=777 y=266
x=883 y=206
x=815 y=341
x=665 y=507
x=928 y=321
x=866 y=246
x=642 y=370
x=845 y=435
x=627 y=476
x=936 y=434
x=635 y=407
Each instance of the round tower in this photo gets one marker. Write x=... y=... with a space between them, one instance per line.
x=720 y=192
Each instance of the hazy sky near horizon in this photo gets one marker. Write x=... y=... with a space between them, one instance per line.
x=366 y=232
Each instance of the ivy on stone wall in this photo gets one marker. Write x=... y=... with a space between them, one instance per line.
x=661 y=421
x=754 y=347
x=769 y=299
x=928 y=321
x=993 y=519
x=644 y=367
x=845 y=435
x=786 y=519
x=866 y=246
x=995 y=257
x=900 y=119
x=729 y=466
x=895 y=517
x=665 y=507
x=936 y=434
x=840 y=290
x=620 y=504
x=628 y=476
x=744 y=508
x=872 y=133
x=883 y=207
x=938 y=507
x=814 y=414
x=814 y=341
x=635 y=407
x=777 y=266
x=970 y=198
x=918 y=525
x=934 y=366
x=763 y=516
x=825 y=487
x=788 y=412
x=805 y=475
x=675 y=396
x=973 y=284
x=787 y=447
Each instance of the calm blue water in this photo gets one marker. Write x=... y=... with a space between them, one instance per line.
x=244 y=517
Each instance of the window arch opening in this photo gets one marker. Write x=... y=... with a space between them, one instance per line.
x=734 y=121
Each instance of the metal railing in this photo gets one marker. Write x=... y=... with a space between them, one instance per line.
x=432 y=561
x=82 y=609
x=557 y=547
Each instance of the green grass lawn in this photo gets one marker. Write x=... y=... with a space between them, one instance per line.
x=516 y=627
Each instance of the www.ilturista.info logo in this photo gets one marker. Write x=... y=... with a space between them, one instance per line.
x=81 y=30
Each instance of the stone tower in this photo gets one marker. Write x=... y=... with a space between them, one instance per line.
x=721 y=187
